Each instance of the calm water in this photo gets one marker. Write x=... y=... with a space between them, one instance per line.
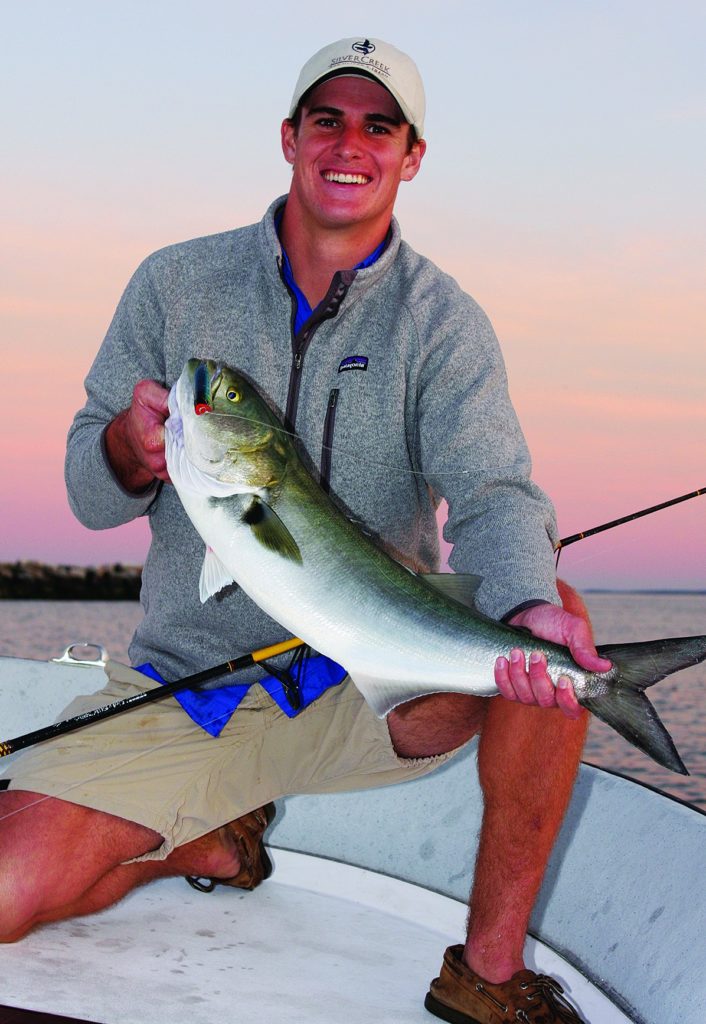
x=42 y=629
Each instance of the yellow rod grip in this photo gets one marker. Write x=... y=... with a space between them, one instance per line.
x=271 y=652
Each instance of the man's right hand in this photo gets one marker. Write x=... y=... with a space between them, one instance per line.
x=134 y=440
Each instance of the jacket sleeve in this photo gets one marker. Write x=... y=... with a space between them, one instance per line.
x=132 y=351
x=473 y=454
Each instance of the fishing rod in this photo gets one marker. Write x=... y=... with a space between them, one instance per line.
x=147 y=696
x=561 y=544
x=8 y=747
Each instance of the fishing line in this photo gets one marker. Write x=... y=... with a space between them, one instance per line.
x=131 y=758
x=362 y=457
x=604 y=549
x=560 y=545
x=108 y=771
x=469 y=474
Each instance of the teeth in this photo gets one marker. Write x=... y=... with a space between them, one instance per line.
x=346 y=179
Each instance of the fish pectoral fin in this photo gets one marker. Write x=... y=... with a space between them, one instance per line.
x=382 y=695
x=214 y=576
x=269 y=530
x=459 y=587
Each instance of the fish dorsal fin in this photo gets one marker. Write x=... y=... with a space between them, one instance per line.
x=214 y=576
x=460 y=587
x=269 y=529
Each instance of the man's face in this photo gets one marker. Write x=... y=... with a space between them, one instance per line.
x=349 y=154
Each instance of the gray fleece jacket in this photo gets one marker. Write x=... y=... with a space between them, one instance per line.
x=396 y=387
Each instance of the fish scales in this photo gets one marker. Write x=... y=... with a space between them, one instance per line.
x=270 y=528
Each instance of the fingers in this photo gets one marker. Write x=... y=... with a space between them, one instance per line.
x=542 y=686
x=562 y=627
x=153 y=396
x=578 y=638
x=145 y=424
x=566 y=698
x=502 y=679
x=530 y=683
x=584 y=653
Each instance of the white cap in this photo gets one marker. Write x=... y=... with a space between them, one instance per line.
x=369 y=58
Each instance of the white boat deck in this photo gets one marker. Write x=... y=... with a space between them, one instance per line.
x=318 y=942
x=336 y=936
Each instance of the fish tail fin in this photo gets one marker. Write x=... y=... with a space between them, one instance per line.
x=621 y=701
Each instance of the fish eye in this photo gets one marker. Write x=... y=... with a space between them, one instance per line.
x=233 y=395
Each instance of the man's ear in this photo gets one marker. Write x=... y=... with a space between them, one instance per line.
x=413 y=160
x=289 y=140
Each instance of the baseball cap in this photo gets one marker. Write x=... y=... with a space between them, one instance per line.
x=369 y=58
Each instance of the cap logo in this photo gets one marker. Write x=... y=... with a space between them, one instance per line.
x=365 y=47
x=359 y=56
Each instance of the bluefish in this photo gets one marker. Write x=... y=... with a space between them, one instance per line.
x=269 y=527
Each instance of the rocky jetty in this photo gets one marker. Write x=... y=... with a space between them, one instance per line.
x=27 y=580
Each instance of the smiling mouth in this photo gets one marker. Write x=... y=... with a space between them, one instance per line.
x=346 y=179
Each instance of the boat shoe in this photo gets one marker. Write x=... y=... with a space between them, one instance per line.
x=460 y=996
x=255 y=864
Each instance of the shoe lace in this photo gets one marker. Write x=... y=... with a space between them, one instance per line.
x=545 y=992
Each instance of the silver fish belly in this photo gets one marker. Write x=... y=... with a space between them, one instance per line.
x=273 y=531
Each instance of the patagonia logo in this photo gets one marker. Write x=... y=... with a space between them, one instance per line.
x=353 y=363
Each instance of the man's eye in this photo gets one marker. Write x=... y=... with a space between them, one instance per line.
x=327 y=122
x=378 y=129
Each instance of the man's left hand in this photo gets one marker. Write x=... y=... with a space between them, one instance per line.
x=530 y=684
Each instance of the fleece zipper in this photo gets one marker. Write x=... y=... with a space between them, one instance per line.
x=326 y=310
x=326 y=447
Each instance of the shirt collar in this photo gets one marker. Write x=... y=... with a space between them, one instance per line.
x=304 y=310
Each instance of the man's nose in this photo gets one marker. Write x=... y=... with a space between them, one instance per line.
x=349 y=143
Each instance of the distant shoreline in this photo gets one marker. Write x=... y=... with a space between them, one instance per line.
x=642 y=590
x=31 y=581
x=28 y=580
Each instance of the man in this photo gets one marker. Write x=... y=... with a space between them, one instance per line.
x=378 y=361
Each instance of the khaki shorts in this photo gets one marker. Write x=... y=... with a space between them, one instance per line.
x=153 y=765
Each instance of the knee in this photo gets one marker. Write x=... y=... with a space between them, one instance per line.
x=24 y=873
x=19 y=907
x=435 y=723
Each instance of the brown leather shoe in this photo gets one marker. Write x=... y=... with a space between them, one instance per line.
x=460 y=996
x=255 y=864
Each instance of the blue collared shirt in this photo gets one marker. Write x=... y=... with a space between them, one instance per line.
x=304 y=310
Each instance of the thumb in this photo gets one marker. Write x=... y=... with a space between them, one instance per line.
x=584 y=652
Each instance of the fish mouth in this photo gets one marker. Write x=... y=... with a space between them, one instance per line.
x=206 y=378
x=203 y=374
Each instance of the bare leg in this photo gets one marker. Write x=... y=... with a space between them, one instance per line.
x=437 y=723
x=527 y=759
x=58 y=859
x=61 y=860
x=527 y=762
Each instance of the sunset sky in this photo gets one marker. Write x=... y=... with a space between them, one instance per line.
x=563 y=187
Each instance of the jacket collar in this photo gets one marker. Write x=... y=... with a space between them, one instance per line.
x=359 y=280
